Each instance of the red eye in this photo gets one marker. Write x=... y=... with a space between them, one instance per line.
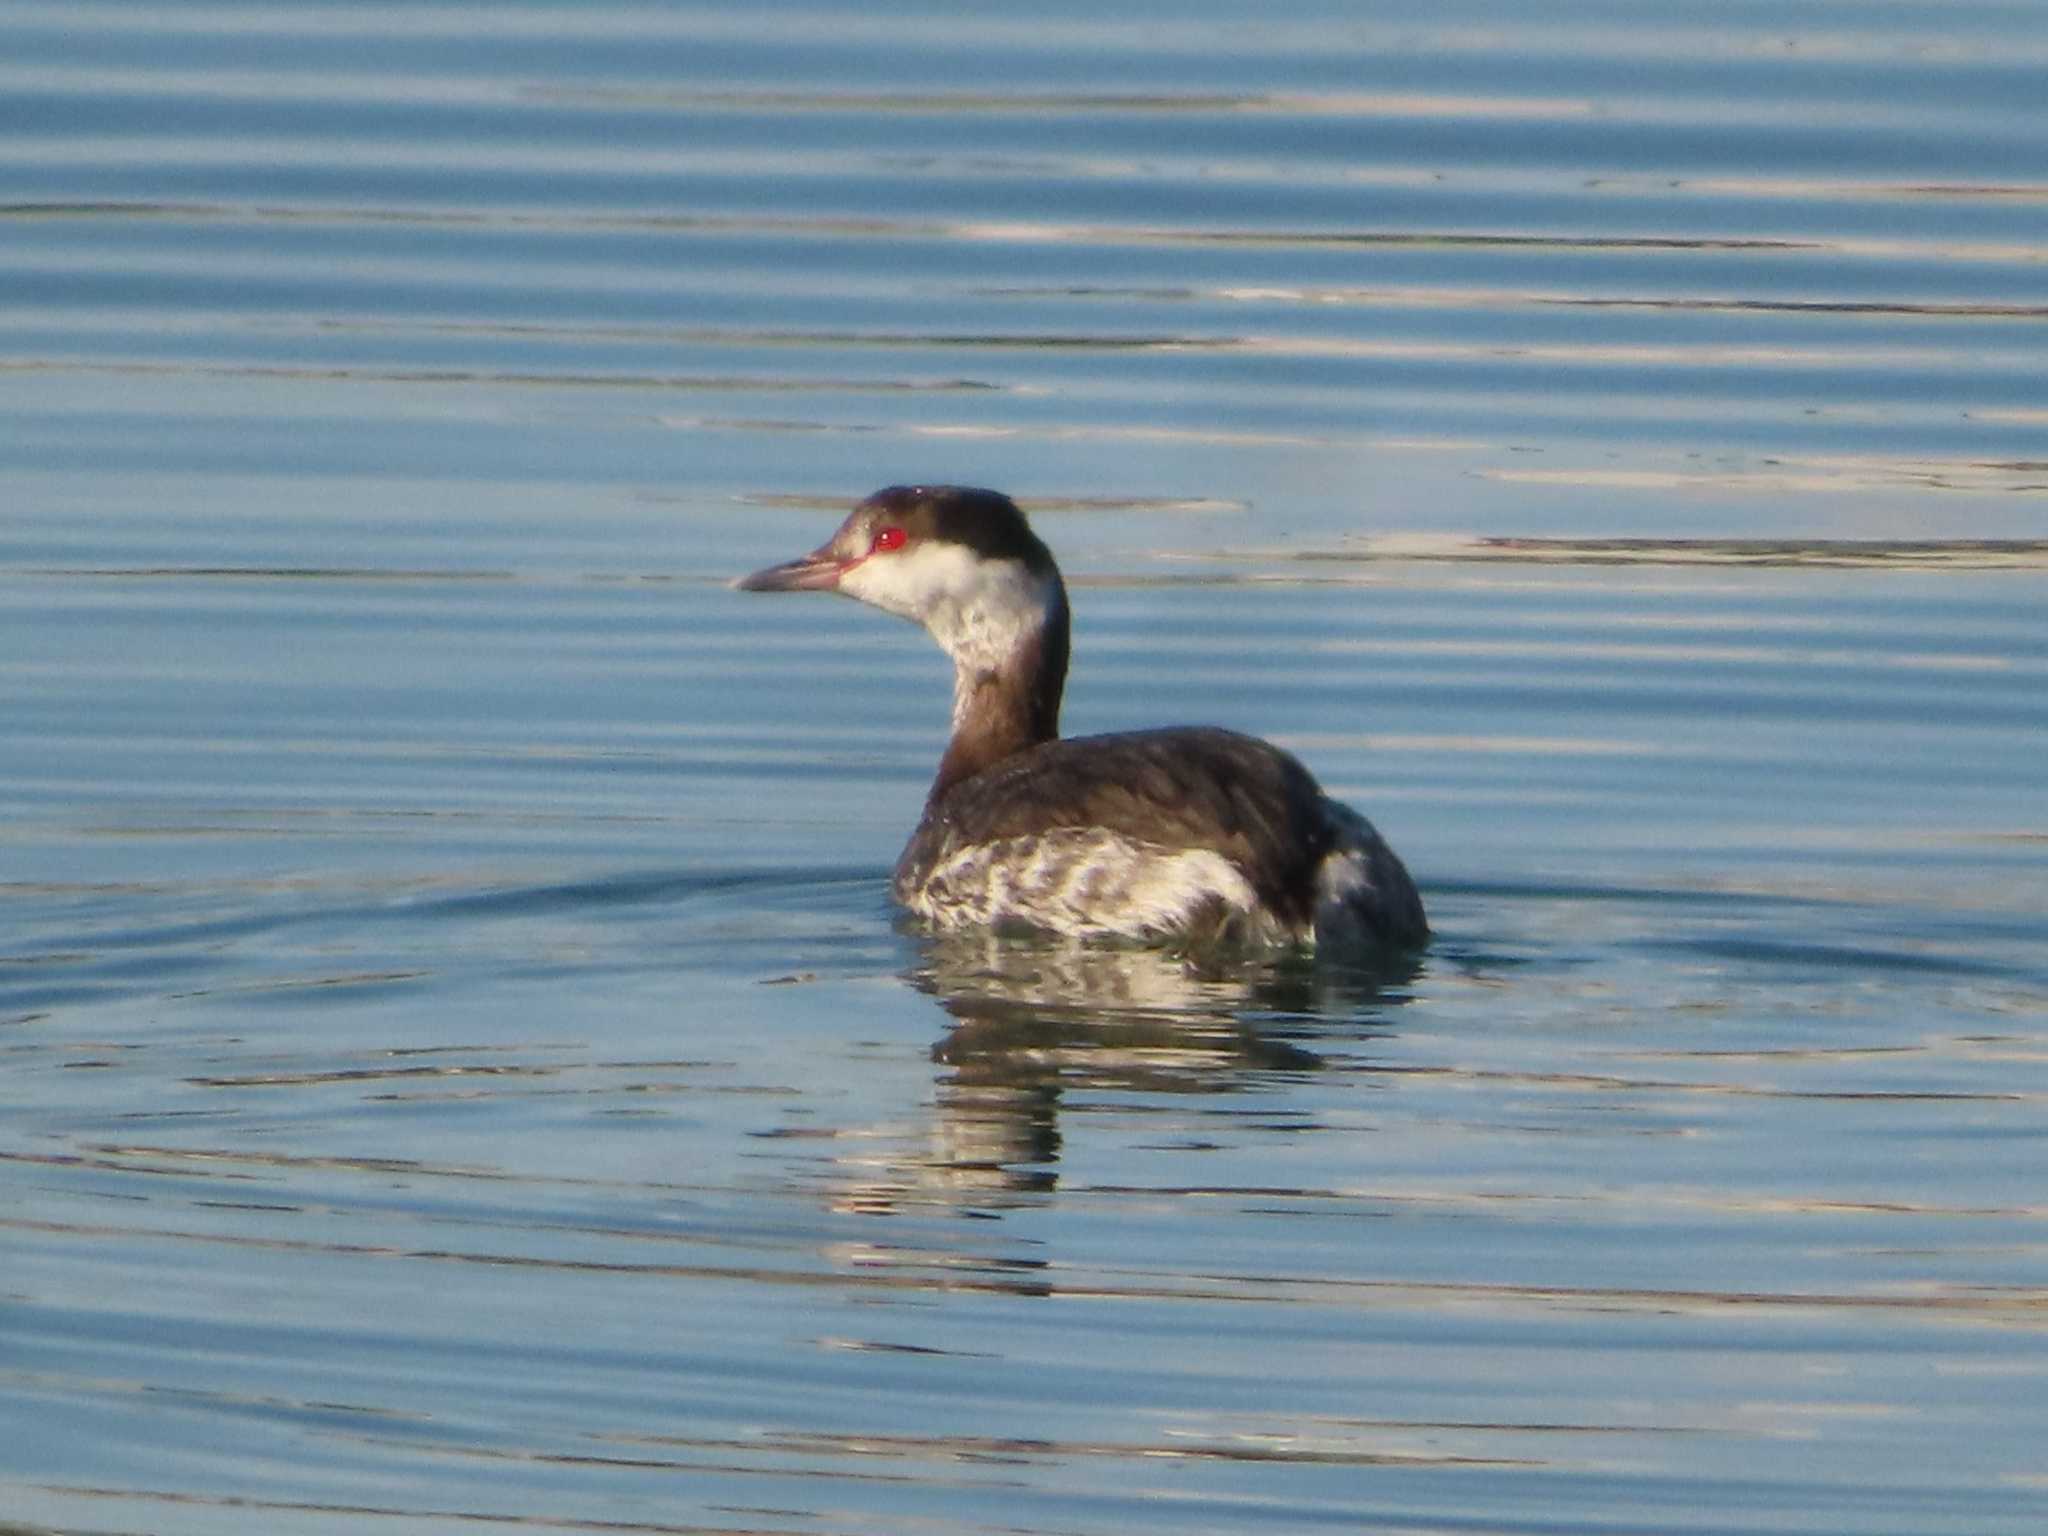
x=887 y=539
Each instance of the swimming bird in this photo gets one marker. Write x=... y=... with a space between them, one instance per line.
x=1187 y=834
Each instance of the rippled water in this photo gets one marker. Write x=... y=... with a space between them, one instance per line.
x=461 y=1068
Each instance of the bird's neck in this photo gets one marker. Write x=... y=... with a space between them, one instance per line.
x=1008 y=677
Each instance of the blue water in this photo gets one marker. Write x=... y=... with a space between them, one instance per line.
x=459 y=1066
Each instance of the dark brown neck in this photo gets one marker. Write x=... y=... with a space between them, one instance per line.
x=1001 y=710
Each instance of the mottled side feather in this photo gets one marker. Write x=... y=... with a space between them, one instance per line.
x=1176 y=789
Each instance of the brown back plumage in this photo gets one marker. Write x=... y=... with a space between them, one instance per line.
x=1180 y=788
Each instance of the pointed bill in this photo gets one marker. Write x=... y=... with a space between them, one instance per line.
x=819 y=571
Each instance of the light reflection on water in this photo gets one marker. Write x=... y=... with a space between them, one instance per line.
x=462 y=1068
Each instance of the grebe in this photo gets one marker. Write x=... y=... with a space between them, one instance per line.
x=1186 y=834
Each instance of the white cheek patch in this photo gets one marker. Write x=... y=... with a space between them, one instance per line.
x=980 y=611
x=911 y=581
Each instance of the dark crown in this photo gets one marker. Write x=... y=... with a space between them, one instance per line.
x=987 y=522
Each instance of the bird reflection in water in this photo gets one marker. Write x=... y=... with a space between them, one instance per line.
x=1035 y=1021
